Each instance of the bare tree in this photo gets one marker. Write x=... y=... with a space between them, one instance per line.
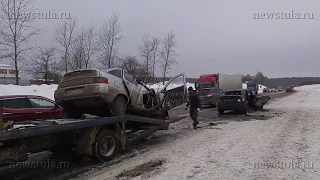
x=64 y=35
x=155 y=48
x=82 y=49
x=90 y=45
x=44 y=64
x=146 y=51
x=110 y=35
x=77 y=53
x=167 y=53
x=16 y=30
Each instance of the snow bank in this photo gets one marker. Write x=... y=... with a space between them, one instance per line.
x=48 y=90
x=159 y=86
x=42 y=90
x=315 y=87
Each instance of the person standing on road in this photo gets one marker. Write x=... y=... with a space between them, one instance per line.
x=194 y=106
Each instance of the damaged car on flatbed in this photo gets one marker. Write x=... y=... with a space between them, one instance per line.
x=113 y=92
x=241 y=101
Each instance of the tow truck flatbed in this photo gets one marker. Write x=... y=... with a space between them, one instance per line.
x=99 y=137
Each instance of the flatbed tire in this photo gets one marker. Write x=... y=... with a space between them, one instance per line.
x=98 y=152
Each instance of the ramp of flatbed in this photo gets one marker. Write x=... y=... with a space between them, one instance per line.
x=72 y=124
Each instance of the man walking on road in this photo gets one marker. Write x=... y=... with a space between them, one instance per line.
x=194 y=106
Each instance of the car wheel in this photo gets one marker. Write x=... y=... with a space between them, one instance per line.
x=120 y=106
x=221 y=111
x=106 y=146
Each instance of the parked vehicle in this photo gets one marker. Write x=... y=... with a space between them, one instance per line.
x=253 y=86
x=240 y=101
x=209 y=96
x=22 y=108
x=289 y=89
x=211 y=86
x=266 y=90
x=114 y=92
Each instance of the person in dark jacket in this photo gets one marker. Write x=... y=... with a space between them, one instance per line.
x=194 y=104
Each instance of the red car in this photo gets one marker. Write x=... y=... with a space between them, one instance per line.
x=22 y=108
x=289 y=89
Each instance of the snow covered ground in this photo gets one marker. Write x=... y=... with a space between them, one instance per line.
x=283 y=146
x=48 y=90
x=43 y=90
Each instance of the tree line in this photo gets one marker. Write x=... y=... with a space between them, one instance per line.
x=77 y=47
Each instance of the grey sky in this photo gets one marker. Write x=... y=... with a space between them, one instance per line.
x=213 y=35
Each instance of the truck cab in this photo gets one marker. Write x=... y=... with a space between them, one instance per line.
x=206 y=81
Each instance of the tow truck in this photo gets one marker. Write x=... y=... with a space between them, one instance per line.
x=100 y=138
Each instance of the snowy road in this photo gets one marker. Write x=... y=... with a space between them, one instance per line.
x=282 y=143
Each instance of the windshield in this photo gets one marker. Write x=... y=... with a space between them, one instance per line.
x=200 y=85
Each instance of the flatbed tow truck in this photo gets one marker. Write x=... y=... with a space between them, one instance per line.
x=101 y=138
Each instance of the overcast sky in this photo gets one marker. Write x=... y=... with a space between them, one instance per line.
x=212 y=35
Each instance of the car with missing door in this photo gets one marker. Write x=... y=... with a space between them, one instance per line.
x=113 y=91
x=28 y=107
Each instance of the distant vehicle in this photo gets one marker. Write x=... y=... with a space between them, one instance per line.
x=289 y=89
x=266 y=90
x=240 y=101
x=24 y=107
x=114 y=92
x=273 y=90
x=211 y=86
x=209 y=96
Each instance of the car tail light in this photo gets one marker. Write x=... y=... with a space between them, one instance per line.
x=210 y=95
x=101 y=80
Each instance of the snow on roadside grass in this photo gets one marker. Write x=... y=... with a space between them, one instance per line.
x=315 y=87
x=42 y=90
x=48 y=90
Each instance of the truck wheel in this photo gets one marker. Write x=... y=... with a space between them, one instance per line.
x=120 y=106
x=221 y=111
x=106 y=146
